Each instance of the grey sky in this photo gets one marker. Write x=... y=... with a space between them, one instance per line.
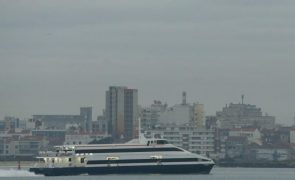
x=56 y=56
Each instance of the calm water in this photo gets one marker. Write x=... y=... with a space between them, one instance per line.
x=216 y=174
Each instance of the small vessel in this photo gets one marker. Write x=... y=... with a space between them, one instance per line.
x=139 y=156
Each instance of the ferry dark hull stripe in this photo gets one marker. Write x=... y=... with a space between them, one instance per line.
x=127 y=150
x=145 y=169
x=122 y=161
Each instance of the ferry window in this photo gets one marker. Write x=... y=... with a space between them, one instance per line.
x=70 y=159
x=82 y=160
x=129 y=150
x=161 y=142
x=204 y=160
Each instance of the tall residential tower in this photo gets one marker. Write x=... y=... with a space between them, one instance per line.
x=121 y=112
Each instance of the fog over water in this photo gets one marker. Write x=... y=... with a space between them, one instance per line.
x=56 y=56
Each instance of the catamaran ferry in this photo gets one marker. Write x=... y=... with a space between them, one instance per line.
x=148 y=156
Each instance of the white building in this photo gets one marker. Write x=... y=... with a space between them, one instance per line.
x=159 y=114
x=177 y=115
x=196 y=140
x=253 y=135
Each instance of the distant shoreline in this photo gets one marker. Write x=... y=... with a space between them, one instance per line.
x=258 y=165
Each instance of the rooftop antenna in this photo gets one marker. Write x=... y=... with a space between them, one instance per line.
x=243 y=98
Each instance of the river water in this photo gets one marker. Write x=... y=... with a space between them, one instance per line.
x=216 y=174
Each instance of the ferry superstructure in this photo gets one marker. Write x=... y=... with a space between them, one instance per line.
x=148 y=157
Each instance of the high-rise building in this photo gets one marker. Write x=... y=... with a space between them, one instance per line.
x=121 y=111
x=86 y=114
x=198 y=119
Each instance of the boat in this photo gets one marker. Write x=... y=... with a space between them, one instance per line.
x=139 y=156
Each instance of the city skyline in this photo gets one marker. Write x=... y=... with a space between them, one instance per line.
x=164 y=104
x=56 y=58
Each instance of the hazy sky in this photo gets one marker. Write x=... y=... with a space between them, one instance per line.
x=56 y=56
